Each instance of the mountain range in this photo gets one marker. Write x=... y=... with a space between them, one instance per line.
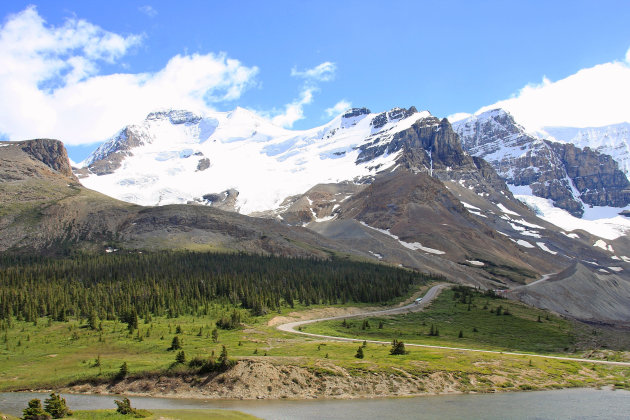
x=401 y=187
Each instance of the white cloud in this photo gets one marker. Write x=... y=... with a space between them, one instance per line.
x=458 y=116
x=294 y=111
x=322 y=73
x=338 y=108
x=50 y=86
x=594 y=96
x=148 y=10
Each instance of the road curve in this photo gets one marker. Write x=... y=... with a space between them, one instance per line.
x=433 y=292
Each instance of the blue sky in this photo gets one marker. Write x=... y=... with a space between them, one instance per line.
x=444 y=56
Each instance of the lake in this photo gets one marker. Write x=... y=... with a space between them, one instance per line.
x=567 y=403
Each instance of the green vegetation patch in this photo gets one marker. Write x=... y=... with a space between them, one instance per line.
x=462 y=317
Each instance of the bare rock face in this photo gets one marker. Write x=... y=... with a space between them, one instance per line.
x=568 y=175
x=204 y=163
x=225 y=200
x=356 y=112
x=428 y=142
x=596 y=176
x=50 y=152
x=395 y=114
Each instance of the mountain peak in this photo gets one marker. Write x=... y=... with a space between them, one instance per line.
x=175 y=116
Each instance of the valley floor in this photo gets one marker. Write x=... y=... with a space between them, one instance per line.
x=274 y=364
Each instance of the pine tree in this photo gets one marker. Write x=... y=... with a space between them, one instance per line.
x=215 y=335
x=359 y=354
x=181 y=357
x=175 y=344
x=93 y=320
x=224 y=361
x=56 y=406
x=123 y=371
x=398 y=347
x=34 y=411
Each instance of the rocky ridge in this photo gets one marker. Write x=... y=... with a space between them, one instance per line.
x=570 y=176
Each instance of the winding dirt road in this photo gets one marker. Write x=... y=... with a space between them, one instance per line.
x=415 y=307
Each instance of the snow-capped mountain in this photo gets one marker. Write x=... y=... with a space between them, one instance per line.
x=572 y=177
x=178 y=157
x=613 y=140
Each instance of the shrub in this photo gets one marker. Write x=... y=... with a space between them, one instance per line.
x=124 y=406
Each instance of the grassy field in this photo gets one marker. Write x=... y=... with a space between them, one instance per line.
x=51 y=354
x=475 y=320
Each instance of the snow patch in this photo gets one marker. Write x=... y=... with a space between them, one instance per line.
x=416 y=246
x=506 y=210
x=607 y=228
x=470 y=206
x=525 y=244
x=476 y=263
x=543 y=246
x=603 y=245
x=615 y=269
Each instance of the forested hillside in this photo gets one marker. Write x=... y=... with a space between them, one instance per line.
x=116 y=285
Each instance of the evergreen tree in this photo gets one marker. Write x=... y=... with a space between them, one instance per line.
x=175 y=344
x=34 y=411
x=398 y=347
x=181 y=357
x=215 y=335
x=93 y=320
x=123 y=371
x=224 y=362
x=56 y=406
x=359 y=354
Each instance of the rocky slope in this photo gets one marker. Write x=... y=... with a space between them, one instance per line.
x=613 y=140
x=43 y=208
x=569 y=176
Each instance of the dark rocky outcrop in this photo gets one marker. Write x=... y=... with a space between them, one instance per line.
x=568 y=175
x=355 y=112
x=108 y=157
x=596 y=176
x=203 y=164
x=50 y=152
x=225 y=200
x=393 y=115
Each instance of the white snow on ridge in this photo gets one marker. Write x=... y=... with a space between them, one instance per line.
x=416 y=246
x=263 y=162
x=607 y=228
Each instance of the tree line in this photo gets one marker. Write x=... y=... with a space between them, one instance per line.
x=113 y=286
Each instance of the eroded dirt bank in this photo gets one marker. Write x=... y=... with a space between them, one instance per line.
x=261 y=379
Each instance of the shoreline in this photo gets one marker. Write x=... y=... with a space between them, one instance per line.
x=264 y=380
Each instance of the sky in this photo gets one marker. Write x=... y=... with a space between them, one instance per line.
x=80 y=70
